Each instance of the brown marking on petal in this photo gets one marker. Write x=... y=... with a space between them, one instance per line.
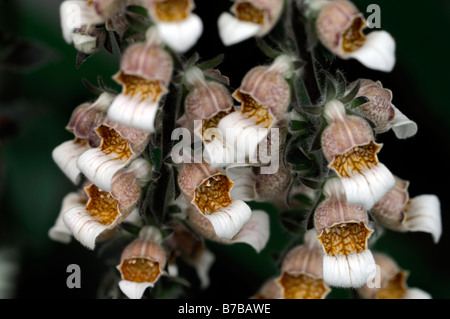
x=251 y=108
x=140 y=270
x=303 y=287
x=356 y=160
x=353 y=38
x=114 y=143
x=395 y=288
x=213 y=122
x=213 y=194
x=344 y=239
x=245 y=11
x=102 y=205
x=172 y=10
x=147 y=89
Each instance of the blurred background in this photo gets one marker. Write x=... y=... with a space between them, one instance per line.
x=40 y=86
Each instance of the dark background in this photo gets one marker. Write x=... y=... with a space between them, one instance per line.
x=36 y=103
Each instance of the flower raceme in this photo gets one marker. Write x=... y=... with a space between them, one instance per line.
x=351 y=151
x=339 y=26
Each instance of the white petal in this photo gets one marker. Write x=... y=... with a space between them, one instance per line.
x=228 y=221
x=84 y=43
x=233 y=30
x=134 y=290
x=369 y=186
x=74 y=14
x=83 y=226
x=133 y=112
x=424 y=214
x=66 y=155
x=416 y=293
x=244 y=182
x=255 y=232
x=354 y=270
x=181 y=35
x=216 y=152
x=202 y=266
x=99 y=167
x=60 y=232
x=377 y=52
x=402 y=126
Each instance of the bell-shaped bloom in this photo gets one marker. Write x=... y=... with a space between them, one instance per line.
x=255 y=232
x=176 y=23
x=351 y=151
x=120 y=146
x=264 y=95
x=145 y=72
x=104 y=210
x=301 y=271
x=83 y=123
x=390 y=282
x=398 y=212
x=381 y=112
x=209 y=192
x=190 y=247
x=249 y=18
x=142 y=263
x=339 y=27
x=343 y=230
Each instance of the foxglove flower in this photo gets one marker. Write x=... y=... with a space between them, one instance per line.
x=208 y=190
x=191 y=248
x=104 y=210
x=250 y=18
x=83 y=122
x=398 y=212
x=301 y=271
x=381 y=112
x=255 y=232
x=142 y=263
x=343 y=230
x=339 y=26
x=145 y=73
x=265 y=96
x=79 y=19
x=177 y=25
x=390 y=282
x=120 y=146
x=269 y=290
x=349 y=147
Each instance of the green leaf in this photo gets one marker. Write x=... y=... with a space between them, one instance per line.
x=358 y=101
x=212 y=63
x=352 y=94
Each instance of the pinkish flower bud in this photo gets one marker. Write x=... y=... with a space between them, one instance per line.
x=339 y=27
x=107 y=8
x=301 y=271
x=142 y=263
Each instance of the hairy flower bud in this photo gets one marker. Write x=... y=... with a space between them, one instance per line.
x=339 y=27
x=301 y=271
x=142 y=263
x=88 y=39
x=349 y=147
x=250 y=18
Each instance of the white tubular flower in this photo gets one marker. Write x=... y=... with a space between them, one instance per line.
x=59 y=231
x=83 y=122
x=142 y=263
x=398 y=212
x=301 y=271
x=265 y=96
x=339 y=27
x=381 y=112
x=145 y=73
x=390 y=282
x=250 y=18
x=343 y=232
x=105 y=210
x=120 y=145
x=208 y=190
x=191 y=248
x=255 y=232
x=177 y=25
x=349 y=147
